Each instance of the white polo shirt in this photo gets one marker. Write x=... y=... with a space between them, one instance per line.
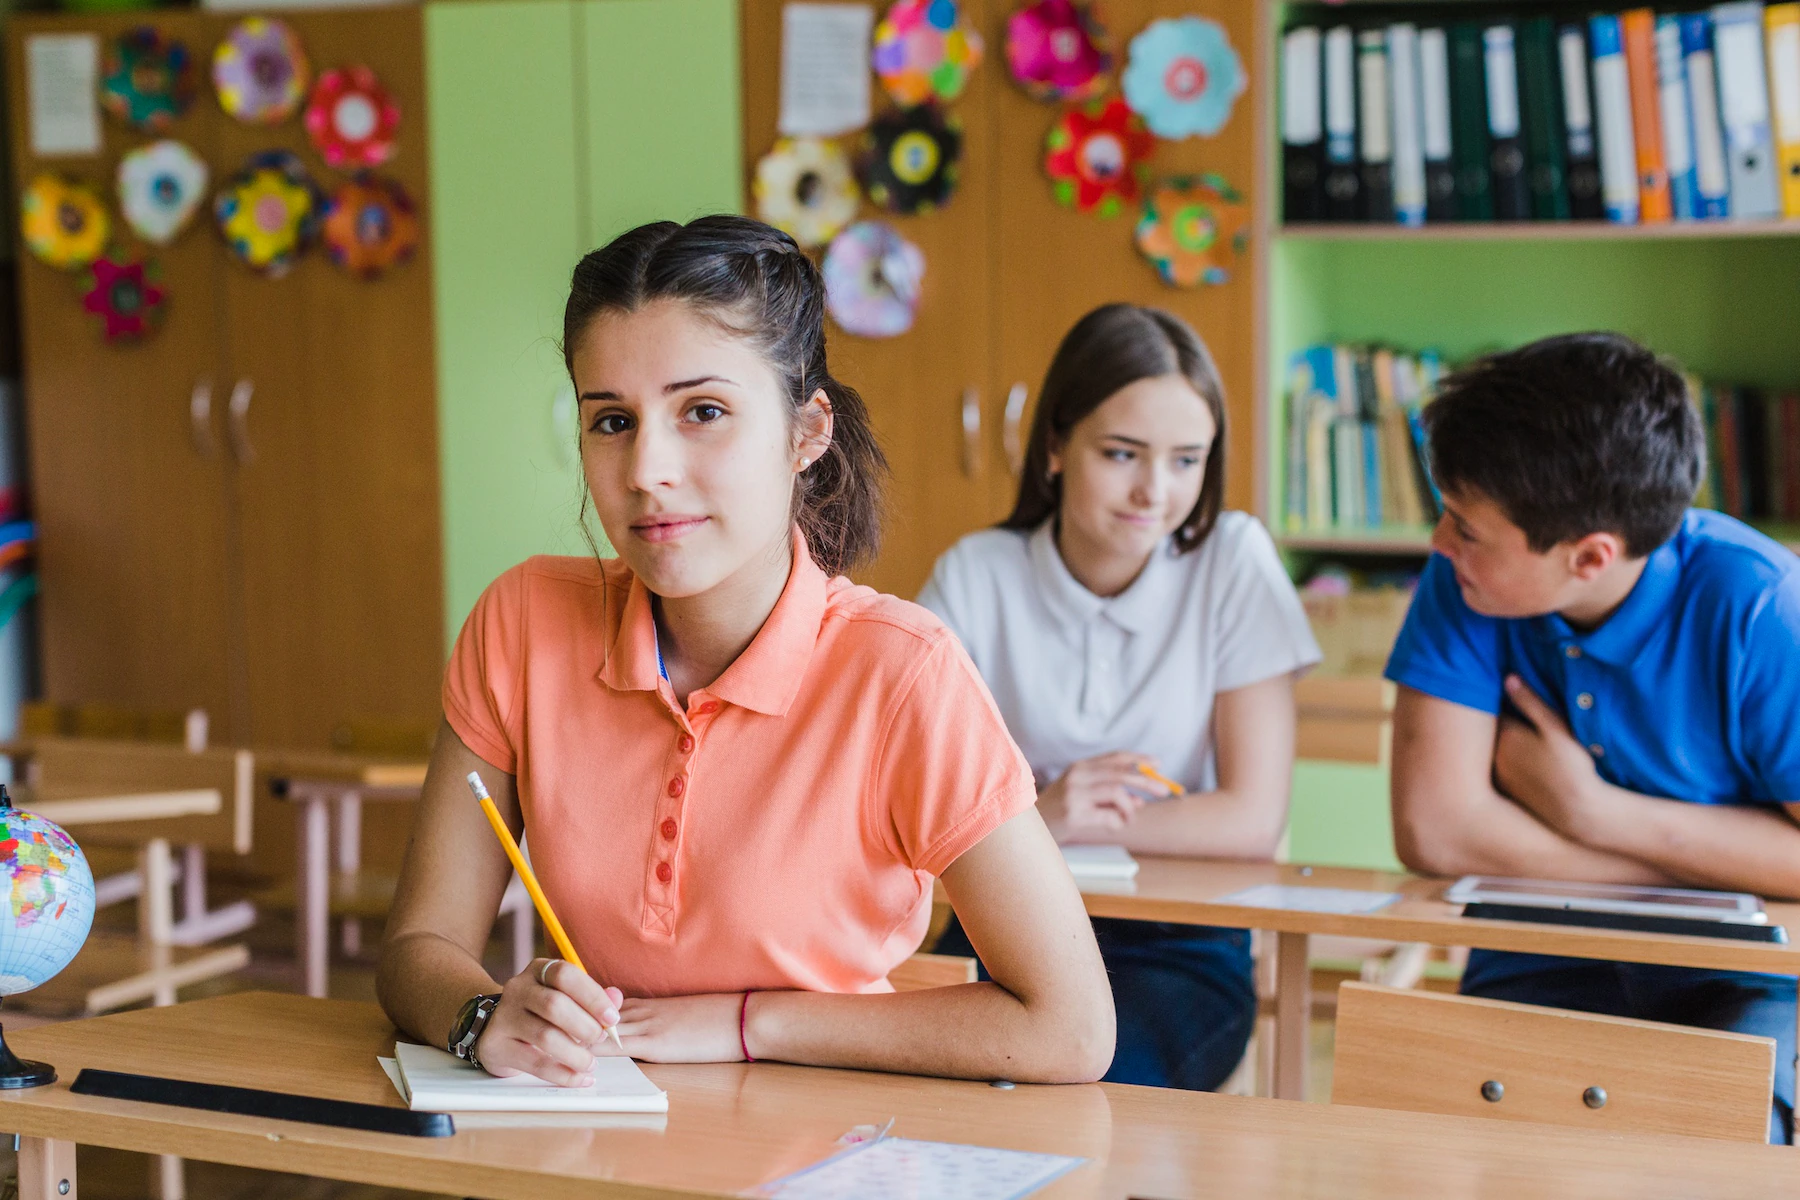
x=1076 y=675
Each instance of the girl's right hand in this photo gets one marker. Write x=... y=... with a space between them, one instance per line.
x=549 y=1016
x=1097 y=795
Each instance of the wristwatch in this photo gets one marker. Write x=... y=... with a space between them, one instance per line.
x=471 y=1019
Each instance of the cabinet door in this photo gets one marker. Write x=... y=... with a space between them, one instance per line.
x=506 y=192
x=126 y=472
x=335 y=446
x=948 y=476
x=1053 y=264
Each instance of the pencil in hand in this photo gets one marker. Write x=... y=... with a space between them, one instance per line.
x=542 y=902
x=1150 y=772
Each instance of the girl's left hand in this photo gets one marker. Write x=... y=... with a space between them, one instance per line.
x=680 y=1029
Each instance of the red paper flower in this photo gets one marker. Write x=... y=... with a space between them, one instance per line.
x=1098 y=157
x=128 y=304
x=352 y=119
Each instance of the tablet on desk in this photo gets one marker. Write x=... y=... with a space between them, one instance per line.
x=1739 y=908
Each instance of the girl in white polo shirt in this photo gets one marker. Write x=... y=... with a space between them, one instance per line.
x=1122 y=620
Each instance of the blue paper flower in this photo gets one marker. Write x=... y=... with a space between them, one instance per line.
x=1183 y=77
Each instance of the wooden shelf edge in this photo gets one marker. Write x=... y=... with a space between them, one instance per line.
x=1371 y=541
x=1500 y=231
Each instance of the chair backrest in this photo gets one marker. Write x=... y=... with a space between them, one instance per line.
x=1431 y=1052
x=72 y=764
x=932 y=970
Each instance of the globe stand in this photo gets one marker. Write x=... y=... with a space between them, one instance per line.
x=16 y=1072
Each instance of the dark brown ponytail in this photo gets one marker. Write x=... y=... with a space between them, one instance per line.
x=754 y=281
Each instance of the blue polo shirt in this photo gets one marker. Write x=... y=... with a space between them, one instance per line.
x=1690 y=691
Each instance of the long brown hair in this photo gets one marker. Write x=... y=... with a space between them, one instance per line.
x=1112 y=347
x=754 y=281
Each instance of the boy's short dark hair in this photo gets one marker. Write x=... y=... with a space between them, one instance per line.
x=1572 y=435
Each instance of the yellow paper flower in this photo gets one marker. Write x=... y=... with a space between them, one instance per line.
x=269 y=212
x=64 y=222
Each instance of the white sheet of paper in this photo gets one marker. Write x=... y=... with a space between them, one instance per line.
x=431 y=1080
x=61 y=91
x=902 y=1169
x=825 y=68
x=652 y=1122
x=1342 y=901
x=1100 y=862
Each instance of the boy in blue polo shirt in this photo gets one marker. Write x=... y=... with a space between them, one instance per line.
x=1596 y=681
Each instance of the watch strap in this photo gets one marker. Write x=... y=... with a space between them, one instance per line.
x=469 y=1025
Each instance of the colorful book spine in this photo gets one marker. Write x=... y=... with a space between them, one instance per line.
x=1581 y=143
x=1612 y=102
x=1409 y=132
x=1677 y=122
x=1374 y=125
x=1744 y=110
x=1638 y=30
x=1711 y=184
x=1343 y=186
x=1782 y=33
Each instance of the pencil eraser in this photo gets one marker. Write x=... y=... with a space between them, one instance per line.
x=476 y=786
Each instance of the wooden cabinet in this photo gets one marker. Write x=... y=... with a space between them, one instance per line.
x=240 y=512
x=1007 y=272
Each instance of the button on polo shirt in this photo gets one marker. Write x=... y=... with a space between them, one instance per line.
x=1689 y=691
x=781 y=829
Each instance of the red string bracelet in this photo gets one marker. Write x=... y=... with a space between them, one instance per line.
x=743 y=1020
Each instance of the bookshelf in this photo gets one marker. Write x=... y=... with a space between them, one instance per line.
x=1539 y=231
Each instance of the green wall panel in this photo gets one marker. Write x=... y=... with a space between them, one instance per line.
x=663 y=128
x=1340 y=817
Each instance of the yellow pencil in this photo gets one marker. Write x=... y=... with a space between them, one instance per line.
x=1147 y=770
x=545 y=912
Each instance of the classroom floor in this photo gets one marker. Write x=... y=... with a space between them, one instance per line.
x=119 y=1175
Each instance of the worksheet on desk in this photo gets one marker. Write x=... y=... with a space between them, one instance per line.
x=902 y=1169
x=1347 y=902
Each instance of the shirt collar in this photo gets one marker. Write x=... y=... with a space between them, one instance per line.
x=1619 y=639
x=1133 y=610
x=766 y=676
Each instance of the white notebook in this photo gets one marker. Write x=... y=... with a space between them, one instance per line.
x=1100 y=862
x=432 y=1080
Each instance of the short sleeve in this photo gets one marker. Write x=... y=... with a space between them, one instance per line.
x=482 y=682
x=1447 y=649
x=1262 y=628
x=948 y=773
x=1770 y=692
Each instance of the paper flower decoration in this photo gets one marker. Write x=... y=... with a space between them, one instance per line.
x=370 y=227
x=872 y=280
x=1193 y=230
x=63 y=222
x=804 y=188
x=147 y=80
x=352 y=119
x=910 y=159
x=924 y=50
x=260 y=71
x=1097 y=157
x=1058 y=51
x=1183 y=77
x=160 y=188
x=126 y=298
x=269 y=212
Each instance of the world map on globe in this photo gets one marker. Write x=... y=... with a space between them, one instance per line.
x=49 y=900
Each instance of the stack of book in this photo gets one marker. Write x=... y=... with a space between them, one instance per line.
x=1355 y=443
x=1637 y=117
x=1356 y=457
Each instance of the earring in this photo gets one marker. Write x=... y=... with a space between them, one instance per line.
x=805 y=463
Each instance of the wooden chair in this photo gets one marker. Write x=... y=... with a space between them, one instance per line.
x=1431 y=1052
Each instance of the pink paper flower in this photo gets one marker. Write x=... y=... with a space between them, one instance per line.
x=1058 y=50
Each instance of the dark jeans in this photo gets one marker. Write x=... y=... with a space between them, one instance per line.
x=1735 y=1001
x=1185 y=997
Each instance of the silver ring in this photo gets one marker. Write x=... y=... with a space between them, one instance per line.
x=544 y=971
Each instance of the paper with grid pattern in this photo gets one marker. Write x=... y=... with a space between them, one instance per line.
x=903 y=1169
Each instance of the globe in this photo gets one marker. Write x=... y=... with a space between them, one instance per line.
x=48 y=910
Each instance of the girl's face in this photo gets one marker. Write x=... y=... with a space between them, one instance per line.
x=688 y=446
x=1132 y=469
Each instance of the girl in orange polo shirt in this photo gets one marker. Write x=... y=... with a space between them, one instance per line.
x=738 y=772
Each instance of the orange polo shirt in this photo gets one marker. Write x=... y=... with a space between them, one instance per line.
x=780 y=832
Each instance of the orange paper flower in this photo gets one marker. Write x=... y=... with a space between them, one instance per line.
x=1193 y=230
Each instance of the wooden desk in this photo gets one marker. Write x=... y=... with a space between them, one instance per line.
x=1187 y=891
x=733 y=1126
x=314 y=783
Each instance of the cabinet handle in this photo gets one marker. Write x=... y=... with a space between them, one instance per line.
x=200 y=419
x=1011 y=433
x=971 y=429
x=238 y=409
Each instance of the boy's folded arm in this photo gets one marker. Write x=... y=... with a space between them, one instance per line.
x=1734 y=847
x=1450 y=820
